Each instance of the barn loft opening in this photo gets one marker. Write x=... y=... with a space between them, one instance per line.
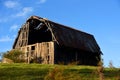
x=38 y=32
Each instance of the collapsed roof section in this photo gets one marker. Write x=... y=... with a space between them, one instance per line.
x=43 y=30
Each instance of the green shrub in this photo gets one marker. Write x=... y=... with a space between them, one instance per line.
x=15 y=55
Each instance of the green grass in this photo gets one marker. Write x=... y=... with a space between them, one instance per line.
x=23 y=71
x=54 y=72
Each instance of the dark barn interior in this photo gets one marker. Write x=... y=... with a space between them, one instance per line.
x=70 y=45
x=67 y=55
x=38 y=32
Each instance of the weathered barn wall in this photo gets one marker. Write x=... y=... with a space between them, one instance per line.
x=52 y=53
x=39 y=52
x=23 y=35
x=66 y=55
x=46 y=50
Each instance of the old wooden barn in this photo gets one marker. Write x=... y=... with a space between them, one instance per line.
x=52 y=43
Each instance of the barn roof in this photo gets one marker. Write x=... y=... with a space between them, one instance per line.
x=69 y=37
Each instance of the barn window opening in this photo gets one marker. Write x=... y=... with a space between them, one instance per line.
x=33 y=48
x=39 y=32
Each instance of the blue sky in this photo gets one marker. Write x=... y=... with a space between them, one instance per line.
x=98 y=17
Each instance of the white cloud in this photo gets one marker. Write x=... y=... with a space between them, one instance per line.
x=5 y=39
x=24 y=11
x=14 y=27
x=11 y=4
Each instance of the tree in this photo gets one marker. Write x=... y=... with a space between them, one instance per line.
x=15 y=55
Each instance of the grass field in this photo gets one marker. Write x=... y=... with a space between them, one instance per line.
x=54 y=72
